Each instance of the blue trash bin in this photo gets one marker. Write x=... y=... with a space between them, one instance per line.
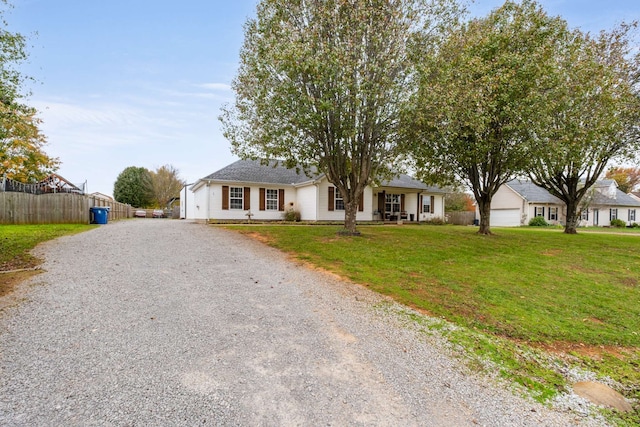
x=99 y=215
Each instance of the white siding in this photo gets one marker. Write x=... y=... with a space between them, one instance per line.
x=623 y=214
x=324 y=214
x=588 y=222
x=187 y=203
x=307 y=202
x=411 y=205
x=506 y=198
x=310 y=200
x=531 y=213
x=216 y=212
x=438 y=208
x=604 y=216
x=199 y=203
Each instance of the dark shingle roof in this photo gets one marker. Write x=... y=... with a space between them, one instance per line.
x=275 y=173
x=620 y=199
x=532 y=193
x=254 y=171
x=406 y=181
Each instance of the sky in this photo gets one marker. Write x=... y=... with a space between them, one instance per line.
x=123 y=83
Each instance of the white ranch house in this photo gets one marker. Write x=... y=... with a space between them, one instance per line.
x=266 y=192
x=516 y=202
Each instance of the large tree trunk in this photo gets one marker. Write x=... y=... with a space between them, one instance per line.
x=484 y=206
x=572 y=217
x=350 y=212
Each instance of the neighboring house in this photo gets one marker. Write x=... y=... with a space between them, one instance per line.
x=516 y=202
x=607 y=202
x=102 y=196
x=53 y=183
x=267 y=192
x=187 y=202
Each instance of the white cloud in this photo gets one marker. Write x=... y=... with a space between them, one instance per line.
x=97 y=137
x=101 y=125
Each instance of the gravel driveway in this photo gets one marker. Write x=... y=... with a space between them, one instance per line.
x=163 y=322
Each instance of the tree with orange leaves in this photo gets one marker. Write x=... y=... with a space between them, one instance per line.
x=22 y=157
x=628 y=179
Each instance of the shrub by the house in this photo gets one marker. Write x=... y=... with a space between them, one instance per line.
x=292 y=216
x=618 y=223
x=538 y=221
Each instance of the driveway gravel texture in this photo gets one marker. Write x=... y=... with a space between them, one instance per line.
x=149 y=322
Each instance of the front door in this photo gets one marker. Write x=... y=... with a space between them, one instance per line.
x=381 y=203
x=392 y=206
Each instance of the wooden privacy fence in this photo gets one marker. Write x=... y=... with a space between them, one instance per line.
x=117 y=210
x=58 y=208
x=461 y=218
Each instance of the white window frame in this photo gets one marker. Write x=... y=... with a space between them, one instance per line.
x=426 y=204
x=236 y=198
x=391 y=201
x=632 y=214
x=585 y=215
x=539 y=211
x=613 y=214
x=271 y=199
x=338 y=201
x=553 y=213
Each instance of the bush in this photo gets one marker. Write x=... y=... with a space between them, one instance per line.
x=434 y=221
x=538 y=222
x=618 y=223
x=292 y=216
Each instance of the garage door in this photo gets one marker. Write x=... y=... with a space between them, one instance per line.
x=505 y=217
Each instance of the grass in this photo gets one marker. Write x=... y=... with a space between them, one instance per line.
x=15 y=243
x=517 y=295
x=625 y=230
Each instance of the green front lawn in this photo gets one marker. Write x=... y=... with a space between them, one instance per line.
x=520 y=283
x=576 y=294
x=17 y=240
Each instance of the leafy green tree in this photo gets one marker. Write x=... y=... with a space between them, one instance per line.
x=478 y=98
x=628 y=179
x=321 y=85
x=21 y=143
x=134 y=186
x=166 y=184
x=21 y=155
x=592 y=116
x=458 y=201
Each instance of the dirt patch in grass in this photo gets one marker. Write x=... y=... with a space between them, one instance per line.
x=23 y=261
x=259 y=237
x=595 y=352
x=552 y=252
x=17 y=270
x=10 y=280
